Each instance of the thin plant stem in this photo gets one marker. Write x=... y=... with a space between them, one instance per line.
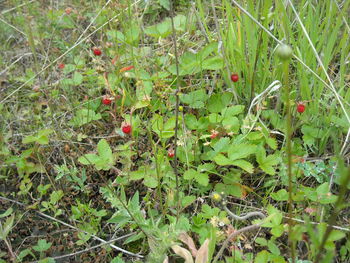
x=289 y=160
x=175 y=163
x=234 y=92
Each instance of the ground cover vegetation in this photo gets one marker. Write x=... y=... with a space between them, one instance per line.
x=174 y=131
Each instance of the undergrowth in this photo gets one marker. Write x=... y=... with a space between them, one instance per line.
x=174 y=131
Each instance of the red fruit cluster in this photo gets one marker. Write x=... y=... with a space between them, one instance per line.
x=234 y=77
x=171 y=153
x=97 y=51
x=106 y=100
x=300 y=108
x=61 y=66
x=126 y=128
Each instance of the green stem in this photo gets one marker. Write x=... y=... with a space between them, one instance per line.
x=175 y=163
x=289 y=160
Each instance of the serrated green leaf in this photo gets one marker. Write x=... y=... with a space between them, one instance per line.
x=42 y=245
x=272 y=142
x=187 y=200
x=266 y=163
x=281 y=195
x=150 y=182
x=213 y=63
x=88 y=159
x=190 y=174
x=104 y=151
x=191 y=122
x=165 y=4
x=240 y=151
x=232 y=111
x=245 y=165
x=219 y=101
x=202 y=178
x=220 y=159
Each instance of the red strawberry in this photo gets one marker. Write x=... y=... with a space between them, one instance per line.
x=97 y=51
x=300 y=108
x=234 y=77
x=126 y=128
x=61 y=66
x=106 y=100
x=171 y=153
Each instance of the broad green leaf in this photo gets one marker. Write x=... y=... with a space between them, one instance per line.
x=232 y=111
x=262 y=257
x=42 y=245
x=240 y=151
x=41 y=137
x=229 y=189
x=281 y=195
x=162 y=29
x=89 y=159
x=272 y=143
x=266 y=163
x=56 y=196
x=277 y=230
x=336 y=235
x=202 y=178
x=139 y=174
x=218 y=101
x=150 y=181
x=77 y=78
x=323 y=194
x=194 y=99
x=214 y=63
x=221 y=145
x=165 y=4
x=187 y=200
x=231 y=123
x=191 y=121
x=84 y=116
x=221 y=159
x=180 y=22
x=190 y=174
x=104 y=151
x=245 y=165
x=207 y=50
x=254 y=136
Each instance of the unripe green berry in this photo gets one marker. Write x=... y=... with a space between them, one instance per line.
x=284 y=52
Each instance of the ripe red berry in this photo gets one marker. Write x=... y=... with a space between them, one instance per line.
x=106 y=100
x=300 y=108
x=234 y=77
x=126 y=128
x=97 y=51
x=61 y=66
x=171 y=153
